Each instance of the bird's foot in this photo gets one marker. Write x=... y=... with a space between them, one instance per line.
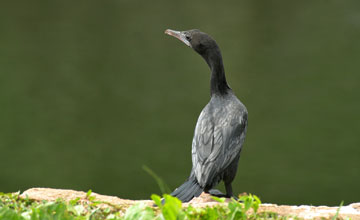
x=217 y=193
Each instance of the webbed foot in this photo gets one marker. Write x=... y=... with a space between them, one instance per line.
x=217 y=193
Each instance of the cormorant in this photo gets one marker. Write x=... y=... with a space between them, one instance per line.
x=220 y=129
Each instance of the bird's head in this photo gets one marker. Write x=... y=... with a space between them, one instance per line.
x=206 y=46
x=199 y=41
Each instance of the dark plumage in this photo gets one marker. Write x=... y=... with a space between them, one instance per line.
x=221 y=127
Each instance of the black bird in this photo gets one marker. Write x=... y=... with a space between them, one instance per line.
x=220 y=129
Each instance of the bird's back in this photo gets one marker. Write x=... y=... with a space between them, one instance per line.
x=219 y=134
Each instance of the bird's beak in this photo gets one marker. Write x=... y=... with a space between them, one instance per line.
x=179 y=35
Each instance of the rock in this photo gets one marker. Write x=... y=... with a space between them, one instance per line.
x=305 y=212
x=49 y=194
x=314 y=212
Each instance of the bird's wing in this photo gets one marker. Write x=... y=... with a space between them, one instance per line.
x=217 y=143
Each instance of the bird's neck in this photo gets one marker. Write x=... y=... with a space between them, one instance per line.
x=218 y=84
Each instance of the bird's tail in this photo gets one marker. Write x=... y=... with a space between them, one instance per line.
x=188 y=190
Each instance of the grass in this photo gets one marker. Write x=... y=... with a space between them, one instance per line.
x=12 y=207
x=162 y=185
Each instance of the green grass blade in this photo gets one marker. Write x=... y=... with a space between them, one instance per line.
x=337 y=211
x=162 y=185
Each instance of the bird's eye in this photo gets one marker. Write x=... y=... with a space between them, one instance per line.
x=188 y=38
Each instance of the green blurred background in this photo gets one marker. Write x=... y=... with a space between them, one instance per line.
x=90 y=91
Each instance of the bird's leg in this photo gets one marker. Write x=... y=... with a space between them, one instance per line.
x=218 y=193
x=229 y=192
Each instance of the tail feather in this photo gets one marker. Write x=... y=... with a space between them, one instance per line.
x=188 y=190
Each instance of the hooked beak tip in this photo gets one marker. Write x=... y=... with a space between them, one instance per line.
x=179 y=35
x=173 y=33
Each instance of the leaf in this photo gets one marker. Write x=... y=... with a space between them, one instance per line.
x=89 y=196
x=139 y=211
x=79 y=209
x=211 y=214
x=88 y=193
x=74 y=201
x=172 y=209
x=237 y=210
x=107 y=210
x=248 y=201
x=236 y=213
x=157 y=200
x=9 y=214
x=218 y=199
x=256 y=203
